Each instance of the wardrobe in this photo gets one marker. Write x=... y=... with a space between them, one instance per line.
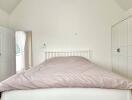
x=7 y=53
x=122 y=47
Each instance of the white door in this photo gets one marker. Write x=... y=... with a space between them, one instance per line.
x=130 y=47
x=119 y=48
x=7 y=49
x=115 y=45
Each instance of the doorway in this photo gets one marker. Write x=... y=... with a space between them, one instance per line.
x=23 y=50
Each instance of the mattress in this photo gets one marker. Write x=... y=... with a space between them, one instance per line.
x=68 y=94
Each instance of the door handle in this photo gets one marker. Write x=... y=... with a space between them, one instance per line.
x=118 y=50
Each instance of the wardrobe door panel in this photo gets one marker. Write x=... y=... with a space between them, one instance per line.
x=123 y=51
x=0 y=43
x=7 y=58
x=0 y=52
x=123 y=32
x=123 y=29
x=123 y=60
x=130 y=51
x=130 y=67
x=115 y=44
x=115 y=38
x=130 y=31
x=119 y=48
x=122 y=69
x=115 y=63
x=130 y=48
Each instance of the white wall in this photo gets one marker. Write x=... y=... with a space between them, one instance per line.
x=4 y=18
x=55 y=22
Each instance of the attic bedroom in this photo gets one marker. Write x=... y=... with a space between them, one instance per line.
x=65 y=49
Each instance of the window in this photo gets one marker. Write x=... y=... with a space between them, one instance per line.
x=20 y=50
x=23 y=50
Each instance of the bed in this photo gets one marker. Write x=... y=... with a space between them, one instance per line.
x=69 y=93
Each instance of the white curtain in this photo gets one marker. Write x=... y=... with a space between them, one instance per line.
x=20 y=50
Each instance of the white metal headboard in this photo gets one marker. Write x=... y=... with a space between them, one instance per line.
x=61 y=53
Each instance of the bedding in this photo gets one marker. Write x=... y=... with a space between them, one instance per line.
x=65 y=72
x=68 y=94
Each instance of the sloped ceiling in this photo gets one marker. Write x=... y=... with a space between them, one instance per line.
x=9 y=5
x=125 y=4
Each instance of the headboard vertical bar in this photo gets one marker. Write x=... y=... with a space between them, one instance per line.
x=83 y=53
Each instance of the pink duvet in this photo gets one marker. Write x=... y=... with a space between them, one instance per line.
x=65 y=72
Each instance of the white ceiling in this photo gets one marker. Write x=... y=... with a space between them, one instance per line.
x=8 y=5
x=125 y=4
